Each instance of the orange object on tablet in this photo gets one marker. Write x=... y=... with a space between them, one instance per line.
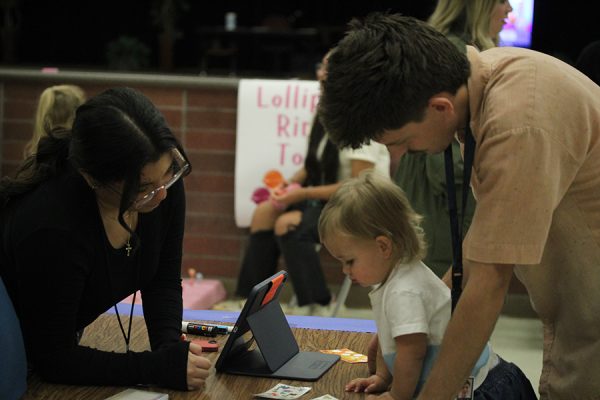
x=274 y=285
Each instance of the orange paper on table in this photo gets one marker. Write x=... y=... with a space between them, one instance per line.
x=348 y=355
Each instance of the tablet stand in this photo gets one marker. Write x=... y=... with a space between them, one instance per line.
x=277 y=354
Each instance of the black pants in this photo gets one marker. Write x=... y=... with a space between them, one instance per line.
x=259 y=263
x=300 y=255
x=302 y=260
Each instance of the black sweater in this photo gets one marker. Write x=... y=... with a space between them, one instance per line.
x=62 y=273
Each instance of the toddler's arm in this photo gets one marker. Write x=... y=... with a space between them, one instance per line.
x=410 y=354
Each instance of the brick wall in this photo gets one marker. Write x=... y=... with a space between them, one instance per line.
x=202 y=113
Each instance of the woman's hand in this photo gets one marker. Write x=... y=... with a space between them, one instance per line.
x=372 y=384
x=197 y=367
x=293 y=194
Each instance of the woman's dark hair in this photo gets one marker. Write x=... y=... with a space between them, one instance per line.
x=325 y=171
x=114 y=135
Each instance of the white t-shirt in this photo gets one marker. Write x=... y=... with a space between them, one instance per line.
x=414 y=300
x=373 y=152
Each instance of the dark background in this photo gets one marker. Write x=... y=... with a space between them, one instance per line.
x=75 y=34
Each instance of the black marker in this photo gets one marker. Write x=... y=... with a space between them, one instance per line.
x=201 y=329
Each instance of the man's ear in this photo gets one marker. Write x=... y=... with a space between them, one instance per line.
x=385 y=246
x=441 y=103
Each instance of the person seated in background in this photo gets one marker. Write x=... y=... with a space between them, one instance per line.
x=291 y=228
x=56 y=109
x=422 y=176
x=87 y=222
x=369 y=226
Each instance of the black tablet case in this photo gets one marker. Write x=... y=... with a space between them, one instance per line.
x=277 y=354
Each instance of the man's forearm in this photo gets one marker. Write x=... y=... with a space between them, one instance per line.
x=469 y=329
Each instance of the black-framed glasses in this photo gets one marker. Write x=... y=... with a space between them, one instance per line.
x=179 y=166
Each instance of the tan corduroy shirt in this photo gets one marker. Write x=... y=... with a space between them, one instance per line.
x=536 y=178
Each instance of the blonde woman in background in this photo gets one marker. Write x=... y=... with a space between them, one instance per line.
x=473 y=22
x=56 y=109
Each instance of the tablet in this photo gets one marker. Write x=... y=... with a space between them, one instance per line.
x=262 y=343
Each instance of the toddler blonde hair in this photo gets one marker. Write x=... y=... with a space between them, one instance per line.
x=369 y=206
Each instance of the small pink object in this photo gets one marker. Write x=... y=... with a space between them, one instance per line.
x=50 y=70
x=260 y=195
x=202 y=295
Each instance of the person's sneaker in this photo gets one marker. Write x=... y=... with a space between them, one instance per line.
x=296 y=310
x=230 y=305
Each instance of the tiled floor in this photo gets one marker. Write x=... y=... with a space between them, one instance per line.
x=518 y=340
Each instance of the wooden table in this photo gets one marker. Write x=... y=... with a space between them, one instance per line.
x=104 y=334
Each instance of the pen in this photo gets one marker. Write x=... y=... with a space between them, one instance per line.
x=201 y=329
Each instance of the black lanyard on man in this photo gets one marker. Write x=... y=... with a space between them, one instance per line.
x=456 y=225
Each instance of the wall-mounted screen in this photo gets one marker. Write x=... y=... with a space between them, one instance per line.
x=517 y=30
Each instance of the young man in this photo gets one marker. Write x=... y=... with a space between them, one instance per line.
x=536 y=124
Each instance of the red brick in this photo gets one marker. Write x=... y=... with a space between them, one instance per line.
x=8 y=168
x=212 y=98
x=216 y=225
x=20 y=91
x=17 y=130
x=202 y=245
x=173 y=117
x=211 y=266
x=211 y=119
x=12 y=151
x=206 y=140
x=20 y=110
x=163 y=96
x=209 y=183
x=210 y=203
x=92 y=90
x=212 y=162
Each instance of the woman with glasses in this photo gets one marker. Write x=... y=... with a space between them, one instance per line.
x=95 y=215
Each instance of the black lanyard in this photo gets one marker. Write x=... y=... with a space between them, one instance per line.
x=456 y=225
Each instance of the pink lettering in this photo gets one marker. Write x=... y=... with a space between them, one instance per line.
x=282 y=148
x=283 y=122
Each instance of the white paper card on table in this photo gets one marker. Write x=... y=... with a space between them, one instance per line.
x=135 y=394
x=281 y=391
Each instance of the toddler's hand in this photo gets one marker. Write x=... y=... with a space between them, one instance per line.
x=372 y=384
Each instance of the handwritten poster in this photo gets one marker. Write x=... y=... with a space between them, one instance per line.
x=274 y=118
